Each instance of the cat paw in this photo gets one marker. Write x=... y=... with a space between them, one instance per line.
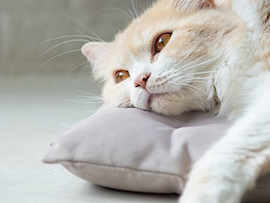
x=199 y=198
x=218 y=192
x=205 y=187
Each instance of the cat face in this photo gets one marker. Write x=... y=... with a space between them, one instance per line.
x=165 y=61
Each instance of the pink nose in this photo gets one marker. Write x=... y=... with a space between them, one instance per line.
x=142 y=80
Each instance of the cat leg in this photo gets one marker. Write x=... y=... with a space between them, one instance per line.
x=232 y=166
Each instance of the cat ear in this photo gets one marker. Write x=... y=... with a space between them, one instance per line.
x=193 y=4
x=95 y=52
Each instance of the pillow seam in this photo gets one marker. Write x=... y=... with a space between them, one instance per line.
x=123 y=167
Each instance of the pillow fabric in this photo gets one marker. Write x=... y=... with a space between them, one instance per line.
x=135 y=150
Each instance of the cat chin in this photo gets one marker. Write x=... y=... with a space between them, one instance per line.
x=153 y=102
x=165 y=104
x=166 y=111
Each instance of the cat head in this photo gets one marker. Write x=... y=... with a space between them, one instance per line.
x=166 y=59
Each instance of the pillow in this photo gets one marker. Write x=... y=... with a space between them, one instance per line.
x=140 y=151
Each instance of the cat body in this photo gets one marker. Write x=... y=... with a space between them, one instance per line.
x=184 y=55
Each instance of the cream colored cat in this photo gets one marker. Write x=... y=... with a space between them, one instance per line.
x=183 y=55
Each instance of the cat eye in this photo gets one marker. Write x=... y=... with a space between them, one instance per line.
x=160 y=42
x=121 y=75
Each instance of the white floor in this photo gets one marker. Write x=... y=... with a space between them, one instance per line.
x=32 y=112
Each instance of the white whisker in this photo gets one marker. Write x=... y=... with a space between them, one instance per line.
x=202 y=72
x=62 y=37
x=53 y=58
x=201 y=64
x=76 y=67
x=196 y=88
x=60 y=44
x=134 y=7
x=85 y=27
x=86 y=67
x=88 y=29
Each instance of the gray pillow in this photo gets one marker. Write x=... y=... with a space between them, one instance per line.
x=135 y=150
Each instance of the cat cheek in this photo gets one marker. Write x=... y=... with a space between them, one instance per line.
x=115 y=95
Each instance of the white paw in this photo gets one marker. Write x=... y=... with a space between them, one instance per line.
x=200 y=198
x=206 y=186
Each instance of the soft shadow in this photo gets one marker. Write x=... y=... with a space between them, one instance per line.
x=126 y=196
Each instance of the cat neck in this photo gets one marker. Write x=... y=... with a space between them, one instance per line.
x=235 y=76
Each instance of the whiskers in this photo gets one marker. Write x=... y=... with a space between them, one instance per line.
x=179 y=72
x=68 y=45
x=91 y=32
x=135 y=8
x=87 y=98
x=189 y=78
x=82 y=36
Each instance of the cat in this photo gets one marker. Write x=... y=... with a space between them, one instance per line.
x=206 y=55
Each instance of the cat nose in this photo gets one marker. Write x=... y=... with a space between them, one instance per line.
x=142 y=80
